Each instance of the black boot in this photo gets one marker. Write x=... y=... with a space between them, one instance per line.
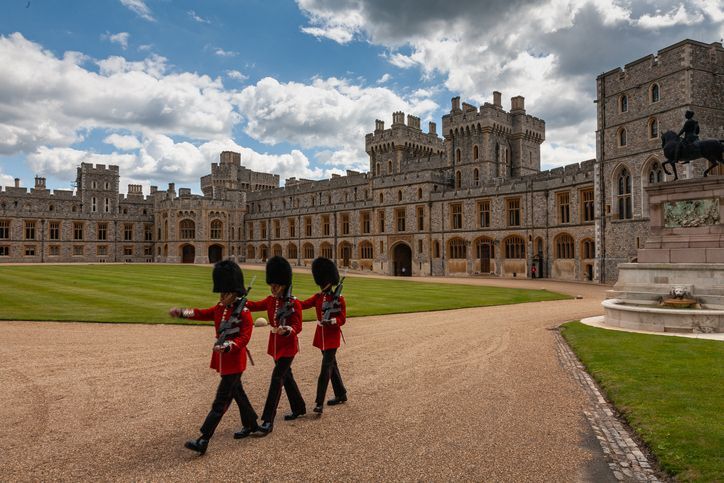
x=337 y=400
x=198 y=445
x=319 y=408
x=245 y=432
x=265 y=428
x=291 y=416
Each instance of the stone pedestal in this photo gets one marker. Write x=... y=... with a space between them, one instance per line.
x=685 y=250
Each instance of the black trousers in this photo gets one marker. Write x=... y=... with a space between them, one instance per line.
x=282 y=377
x=230 y=388
x=329 y=371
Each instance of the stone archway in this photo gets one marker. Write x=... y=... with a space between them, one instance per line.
x=216 y=253
x=402 y=260
x=188 y=253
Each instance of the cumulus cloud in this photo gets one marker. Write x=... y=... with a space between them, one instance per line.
x=124 y=143
x=541 y=50
x=140 y=8
x=236 y=75
x=121 y=38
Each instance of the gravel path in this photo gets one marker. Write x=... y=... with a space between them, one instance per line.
x=473 y=394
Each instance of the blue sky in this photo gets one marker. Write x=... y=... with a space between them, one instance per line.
x=160 y=87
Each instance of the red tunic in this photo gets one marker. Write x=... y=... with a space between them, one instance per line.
x=326 y=336
x=234 y=361
x=280 y=345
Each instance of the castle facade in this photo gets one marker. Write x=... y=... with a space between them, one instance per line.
x=471 y=202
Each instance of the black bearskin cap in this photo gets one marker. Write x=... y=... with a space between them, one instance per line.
x=228 y=277
x=278 y=271
x=689 y=114
x=325 y=272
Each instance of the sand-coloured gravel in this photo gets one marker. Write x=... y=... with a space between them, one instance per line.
x=473 y=394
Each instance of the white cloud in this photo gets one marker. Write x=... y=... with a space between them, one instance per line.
x=6 y=180
x=197 y=18
x=124 y=143
x=62 y=162
x=384 y=78
x=675 y=16
x=225 y=53
x=140 y=8
x=236 y=75
x=121 y=38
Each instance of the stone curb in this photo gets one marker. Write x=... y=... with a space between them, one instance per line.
x=625 y=458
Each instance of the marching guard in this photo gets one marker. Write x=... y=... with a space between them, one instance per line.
x=331 y=316
x=233 y=325
x=285 y=317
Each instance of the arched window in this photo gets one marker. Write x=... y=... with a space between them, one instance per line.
x=623 y=195
x=458 y=179
x=419 y=193
x=621 y=137
x=277 y=250
x=292 y=251
x=588 y=248
x=382 y=198
x=389 y=167
x=476 y=176
x=187 y=229
x=654 y=93
x=623 y=103
x=514 y=247
x=653 y=128
x=399 y=195
x=456 y=249
x=564 y=246
x=656 y=173
x=457 y=155
x=377 y=169
x=366 y=250
x=326 y=250
x=475 y=152
x=308 y=250
x=217 y=228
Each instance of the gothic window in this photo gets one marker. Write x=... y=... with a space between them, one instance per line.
x=623 y=103
x=419 y=193
x=326 y=250
x=365 y=250
x=458 y=180
x=216 y=229
x=621 y=137
x=564 y=246
x=187 y=229
x=475 y=152
x=399 y=195
x=588 y=248
x=457 y=249
x=656 y=174
x=623 y=195
x=389 y=167
x=514 y=247
x=457 y=155
x=654 y=93
x=308 y=250
x=420 y=218
x=653 y=128
x=292 y=251
x=476 y=176
x=277 y=250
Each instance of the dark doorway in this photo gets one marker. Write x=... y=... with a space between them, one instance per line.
x=589 y=272
x=346 y=254
x=485 y=253
x=216 y=253
x=402 y=260
x=188 y=254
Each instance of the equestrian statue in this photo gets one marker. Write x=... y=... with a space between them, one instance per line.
x=686 y=149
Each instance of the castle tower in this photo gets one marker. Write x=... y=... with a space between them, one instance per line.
x=98 y=188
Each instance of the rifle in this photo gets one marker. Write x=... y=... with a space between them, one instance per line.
x=333 y=306
x=286 y=310
x=230 y=326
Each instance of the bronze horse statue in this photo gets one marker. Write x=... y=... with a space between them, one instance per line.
x=710 y=149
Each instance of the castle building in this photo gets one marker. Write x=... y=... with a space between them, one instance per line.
x=473 y=201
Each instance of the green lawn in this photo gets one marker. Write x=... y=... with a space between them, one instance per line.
x=144 y=293
x=670 y=389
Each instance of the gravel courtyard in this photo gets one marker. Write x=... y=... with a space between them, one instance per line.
x=472 y=394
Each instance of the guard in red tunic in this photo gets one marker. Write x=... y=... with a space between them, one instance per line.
x=229 y=352
x=327 y=335
x=285 y=317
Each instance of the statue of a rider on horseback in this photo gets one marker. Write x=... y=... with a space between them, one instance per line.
x=686 y=149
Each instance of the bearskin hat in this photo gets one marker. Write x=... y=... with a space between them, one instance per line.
x=278 y=271
x=325 y=272
x=228 y=277
x=689 y=114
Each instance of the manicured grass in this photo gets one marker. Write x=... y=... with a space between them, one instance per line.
x=670 y=389
x=144 y=293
